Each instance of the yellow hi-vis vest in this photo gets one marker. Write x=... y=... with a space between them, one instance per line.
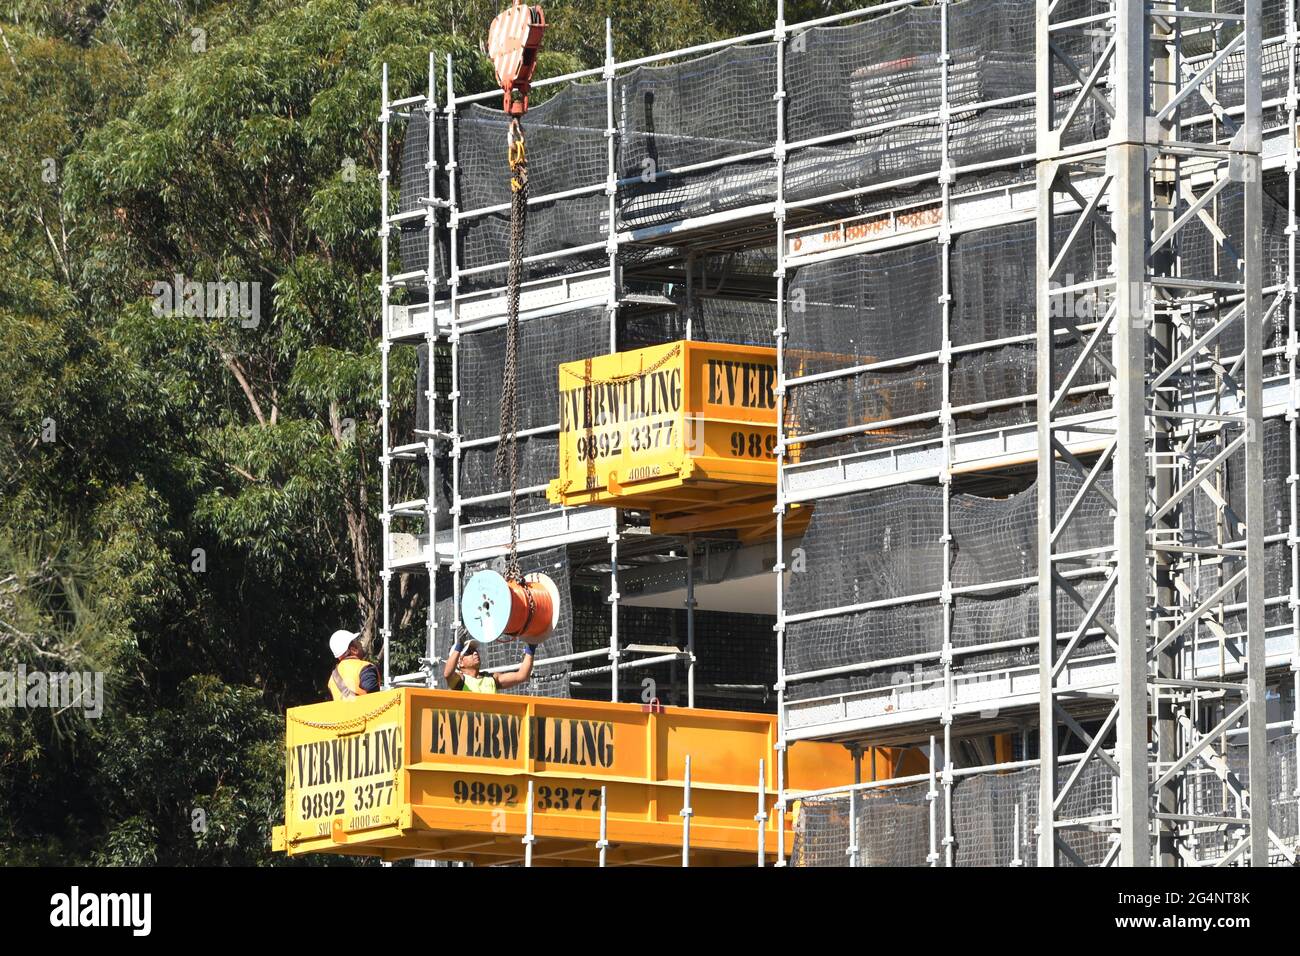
x=486 y=684
x=345 y=679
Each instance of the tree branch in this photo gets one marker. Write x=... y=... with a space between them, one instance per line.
x=242 y=379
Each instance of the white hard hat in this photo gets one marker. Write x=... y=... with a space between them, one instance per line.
x=339 y=642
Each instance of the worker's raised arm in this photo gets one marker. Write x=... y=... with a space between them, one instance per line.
x=515 y=678
x=449 y=669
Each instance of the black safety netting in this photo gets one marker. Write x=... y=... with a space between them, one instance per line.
x=863 y=310
x=442 y=414
x=738 y=321
x=441 y=386
x=547 y=680
x=1210 y=516
x=682 y=115
x=994 y=816
x=1225 y=84
x=887 y=545
x=893 y=828
x=678 y=125
x=735 y=321
x=886 y=307
x=1081 y=49
x=565 y=141
x=545 y=343
x=1219 y=785
x=1206 y=524
x=993 y=276
x=1203 y=254
x=1284 y=790
x=892 y=68
x=712 y=270
x=593 y=617
x=413 y=185
x=735 y=655
x=641 y=329
x=538 y=455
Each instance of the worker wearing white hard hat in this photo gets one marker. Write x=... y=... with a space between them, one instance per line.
x=353 y=675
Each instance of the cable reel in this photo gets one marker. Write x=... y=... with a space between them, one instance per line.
x=494 y=608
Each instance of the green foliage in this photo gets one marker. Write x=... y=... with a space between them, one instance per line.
x=187 y=503
x=187 y=499
x=215 y=787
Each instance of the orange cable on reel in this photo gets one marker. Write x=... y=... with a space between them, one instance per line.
x=529 y=619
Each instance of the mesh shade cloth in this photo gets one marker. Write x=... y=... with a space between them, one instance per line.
x=887 y=544
x=994 y=816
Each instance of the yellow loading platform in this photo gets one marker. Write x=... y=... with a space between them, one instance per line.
x=685 y=431
x=445 y=775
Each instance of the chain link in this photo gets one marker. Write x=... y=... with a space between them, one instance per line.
x=507 y=458
x=588 y=379
x=350 y=722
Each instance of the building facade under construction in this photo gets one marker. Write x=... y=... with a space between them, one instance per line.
x=1027 y=275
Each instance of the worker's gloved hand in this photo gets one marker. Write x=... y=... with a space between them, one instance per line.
x=530 y=649
x=457 y=647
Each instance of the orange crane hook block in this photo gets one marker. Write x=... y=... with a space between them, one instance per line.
x=514 y=40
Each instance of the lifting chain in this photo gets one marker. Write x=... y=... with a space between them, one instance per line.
x=507 y=458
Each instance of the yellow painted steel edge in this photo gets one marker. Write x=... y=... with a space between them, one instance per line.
x=449 y=756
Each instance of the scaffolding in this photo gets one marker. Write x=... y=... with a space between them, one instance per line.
x=973 y=230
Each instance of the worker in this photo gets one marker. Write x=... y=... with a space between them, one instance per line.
x=462 y=670
x=353 y=675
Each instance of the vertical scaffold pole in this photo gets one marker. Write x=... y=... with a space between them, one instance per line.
x=946 y=423
x=431 y=395
x=603 y=843
x=453 y=306
x=611 y=247
x=761 y=816
x=932 y=797
x=529 y=839
x=1015 y=836
x=690 y=620
x=686 y=815
x=690 y=538
x=853 y=848
x=1293 y=392
x=778 y=568
x=385 y=515
x=1253 y=276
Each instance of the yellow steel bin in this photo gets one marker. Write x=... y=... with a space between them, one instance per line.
x=685 y=430
x=445 y=775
